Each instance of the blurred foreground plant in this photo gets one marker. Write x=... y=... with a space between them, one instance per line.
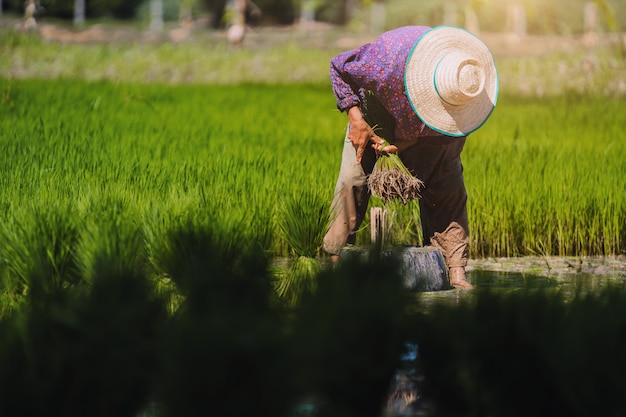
x=82 y=350
x=526 y=353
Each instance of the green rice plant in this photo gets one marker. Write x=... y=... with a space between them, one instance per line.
x=547 y=186
x=114 y=243
x=540 y=178
x=406 y=227
x=298 y=278
x=38 y=252
x=226 y=332
x=207 y=58
x=391 y=179
x=302 y=219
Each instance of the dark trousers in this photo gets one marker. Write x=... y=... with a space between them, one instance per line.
x=434 y=160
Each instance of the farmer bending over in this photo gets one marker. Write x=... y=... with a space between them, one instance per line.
x=436 y=86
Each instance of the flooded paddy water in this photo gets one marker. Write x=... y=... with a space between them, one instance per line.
x=534 y=272
x=565 y=273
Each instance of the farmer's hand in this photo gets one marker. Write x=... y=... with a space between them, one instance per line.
x=379 y=147
x=360 y=133
x=396 y=148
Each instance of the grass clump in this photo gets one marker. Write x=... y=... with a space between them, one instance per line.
x=302 y=220
x=38 y=255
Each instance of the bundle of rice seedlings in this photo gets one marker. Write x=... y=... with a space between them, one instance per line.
x=298 y=279
x=390 y=178
x=302 y=220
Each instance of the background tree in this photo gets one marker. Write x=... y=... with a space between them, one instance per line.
x=65 y=9
x=543 y=17
x=216 y=9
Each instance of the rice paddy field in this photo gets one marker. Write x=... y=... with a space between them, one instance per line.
x=544 y=176
x=155 y=197
x=150 y=132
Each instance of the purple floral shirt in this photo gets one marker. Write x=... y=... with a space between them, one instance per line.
x=379 y=67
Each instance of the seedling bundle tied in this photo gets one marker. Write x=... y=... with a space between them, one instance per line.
x=390 y=179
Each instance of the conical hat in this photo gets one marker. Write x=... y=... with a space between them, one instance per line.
x=451 y=80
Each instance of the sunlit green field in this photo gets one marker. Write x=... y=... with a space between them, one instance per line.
x=543 y=176
x=145 y=230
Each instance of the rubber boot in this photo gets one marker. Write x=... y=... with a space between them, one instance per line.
x=457 y=279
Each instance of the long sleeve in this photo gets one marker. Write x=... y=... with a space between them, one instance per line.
x=344 y=85
x=379 y=67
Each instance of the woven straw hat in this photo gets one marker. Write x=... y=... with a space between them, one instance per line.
x=451 y=80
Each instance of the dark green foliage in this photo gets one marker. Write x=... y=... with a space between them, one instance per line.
x=109 y=348
x=297 y=278
x=224 y=351
x=276 y=11
x=193 y=247
x=78 y=354
x=126 y=9
x=527 y=353
x=37 y=255
x=302 y=220
x=121 y=9
x=349 y=337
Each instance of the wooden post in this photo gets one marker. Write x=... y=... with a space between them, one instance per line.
x=422 y=268
x=79 y=12
x=380 y=222
x=591 y=17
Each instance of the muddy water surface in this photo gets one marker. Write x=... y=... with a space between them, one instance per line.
x=534 y=272
x=564 y=273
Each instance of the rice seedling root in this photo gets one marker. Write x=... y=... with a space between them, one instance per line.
x=391 y=180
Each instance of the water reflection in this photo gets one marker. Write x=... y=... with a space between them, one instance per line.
x=405 y=395
x=509 y=280
x=505 y=282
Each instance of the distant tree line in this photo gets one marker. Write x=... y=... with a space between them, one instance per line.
x=542 y=17
x=64 y=9
x=273 y=11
